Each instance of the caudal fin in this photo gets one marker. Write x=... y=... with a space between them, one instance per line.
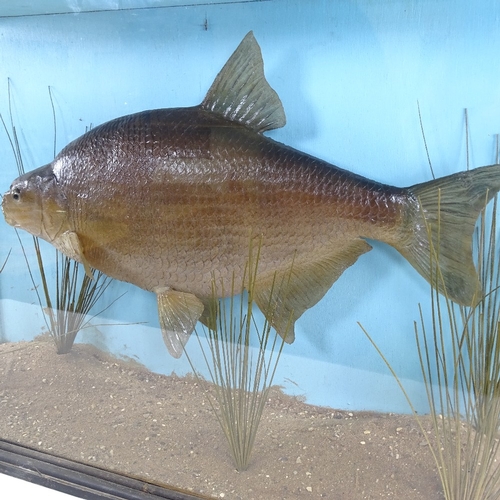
x=447 y=209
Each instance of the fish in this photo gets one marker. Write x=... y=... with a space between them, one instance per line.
x=171 y=200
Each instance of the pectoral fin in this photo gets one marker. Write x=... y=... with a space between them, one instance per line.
x=284 y=296
x=178 y=313
x=69 y=244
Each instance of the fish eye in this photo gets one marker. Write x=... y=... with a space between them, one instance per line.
x=16 y=194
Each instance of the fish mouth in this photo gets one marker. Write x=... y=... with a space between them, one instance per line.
x=16 y=216
x=5 y=210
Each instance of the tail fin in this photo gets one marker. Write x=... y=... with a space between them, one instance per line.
x=447 y=210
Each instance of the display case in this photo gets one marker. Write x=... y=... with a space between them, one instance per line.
x=386 y=369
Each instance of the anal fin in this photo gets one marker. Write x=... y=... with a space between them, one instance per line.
x=285 y=295
x=178 y=314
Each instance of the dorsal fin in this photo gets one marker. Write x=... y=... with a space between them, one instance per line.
x=241 y=93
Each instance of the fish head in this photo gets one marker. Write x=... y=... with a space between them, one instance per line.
x=36 y=204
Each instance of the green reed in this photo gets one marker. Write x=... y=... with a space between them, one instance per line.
x=5 y=261
x=75 y=295
x=75 y=292
x=241 y=377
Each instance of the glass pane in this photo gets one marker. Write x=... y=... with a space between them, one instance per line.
x=186 y=206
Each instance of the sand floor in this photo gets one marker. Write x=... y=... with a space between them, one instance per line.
x=91 y=407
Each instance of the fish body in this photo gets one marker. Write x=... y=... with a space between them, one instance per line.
x=174 y=207
x=172 y=200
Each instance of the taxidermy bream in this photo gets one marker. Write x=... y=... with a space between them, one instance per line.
x=172 y=199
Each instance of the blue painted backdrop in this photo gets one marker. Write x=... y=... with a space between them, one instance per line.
x=349 y=74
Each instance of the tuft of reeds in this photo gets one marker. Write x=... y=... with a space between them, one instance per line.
x=74 y=295
x=483 y=342
x=460 y=361
x=241 y=374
